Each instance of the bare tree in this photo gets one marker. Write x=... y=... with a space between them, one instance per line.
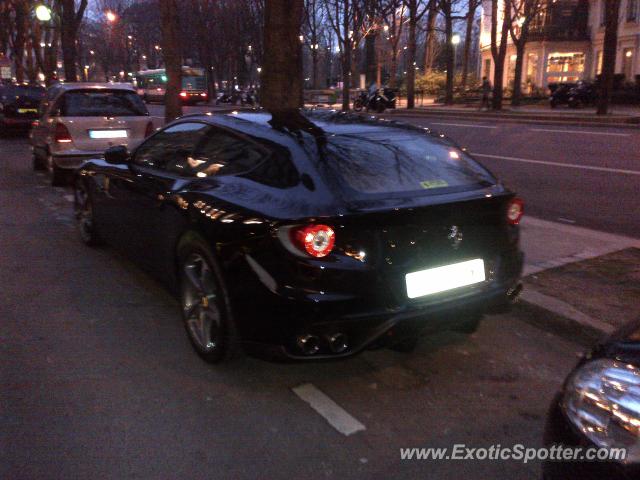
x=313 y=21
x=499 y=50
x=524 y=12
x=608 y=55
x=415 y=14
x=70 y=20
x=395 y=22
x=282 y=70
x=172 y=59
x=450 y=14
x=430 y=36
x=345 y=19
x=468 y=39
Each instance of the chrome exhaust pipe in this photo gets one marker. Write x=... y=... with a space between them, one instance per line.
x=338 y=342
x=309 y=344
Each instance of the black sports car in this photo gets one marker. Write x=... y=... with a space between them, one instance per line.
x=310 y=235
x=599 y=407
x=19 y=106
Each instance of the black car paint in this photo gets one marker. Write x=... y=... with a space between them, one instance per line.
x=277 y=295
x=623 y=346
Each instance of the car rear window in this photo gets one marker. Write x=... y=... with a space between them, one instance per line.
x=101 y=103
x=396 y=162
x=37 y=93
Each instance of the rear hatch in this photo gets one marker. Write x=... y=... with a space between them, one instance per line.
x=98 y=118
x=414 y=203
x=21 y=102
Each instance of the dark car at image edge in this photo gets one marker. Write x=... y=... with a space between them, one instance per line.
x=598 y=407
x=308 y=236
x=19 y=105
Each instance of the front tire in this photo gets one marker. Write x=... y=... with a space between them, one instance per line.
x=205 y=302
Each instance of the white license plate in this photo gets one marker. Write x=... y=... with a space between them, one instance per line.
x=448 y=277
x=107 y=134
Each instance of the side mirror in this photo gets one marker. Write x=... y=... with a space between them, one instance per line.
x=118 y=155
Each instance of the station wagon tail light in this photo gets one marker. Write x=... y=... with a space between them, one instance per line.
x=515 y=210
x=35 y=123
x=314 y=240
x=61 y=134
x=183 y=94
x=149 y=130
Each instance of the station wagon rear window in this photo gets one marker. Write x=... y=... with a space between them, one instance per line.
x=396 y=162
x=102 y=103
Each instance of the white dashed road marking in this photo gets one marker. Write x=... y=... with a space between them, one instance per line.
x=556 y=164
x=333 y=413
x=585 y=132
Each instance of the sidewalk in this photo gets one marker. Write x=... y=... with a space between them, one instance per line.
x=619 y=116
x=581 y=283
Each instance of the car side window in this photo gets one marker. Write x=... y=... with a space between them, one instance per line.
x=222 y=153
x=170 y=148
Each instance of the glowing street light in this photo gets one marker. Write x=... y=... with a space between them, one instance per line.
x=111 y=17
x=43 y=13
x=455 y=39
x=259 y=69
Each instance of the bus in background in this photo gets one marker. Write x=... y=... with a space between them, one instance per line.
x=151 y=85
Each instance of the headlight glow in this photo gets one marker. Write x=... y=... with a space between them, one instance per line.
x=602 y=399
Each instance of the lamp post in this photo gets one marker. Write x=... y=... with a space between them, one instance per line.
x=45 y=16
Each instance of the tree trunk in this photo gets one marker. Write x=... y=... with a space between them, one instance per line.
x=21 y=12
x=393 y=78
x=346 y=78
x=314 y=68
x=411 y=53
x=467 y=42
x=430 y=44
x=499 y=52
x=170 y=29
x=282 y=70
x=370 y=55
x=449 y=50
x=517 y=77
x=608 y=55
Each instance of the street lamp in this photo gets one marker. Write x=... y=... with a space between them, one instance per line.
x=111 y=17
x=455 y=40
x=43 y=13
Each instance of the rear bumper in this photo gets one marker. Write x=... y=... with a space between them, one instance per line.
x=273 y=321
x=16 y=123
x=73 y=159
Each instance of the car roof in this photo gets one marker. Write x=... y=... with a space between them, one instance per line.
x=322 y=122
x=66 y=87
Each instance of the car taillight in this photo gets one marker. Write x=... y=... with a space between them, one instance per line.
x=183 y=94
x=61 y=134
x=149 y=130
x=515 y=210
x=35 y=123
x=203 y=94
x=314 y=240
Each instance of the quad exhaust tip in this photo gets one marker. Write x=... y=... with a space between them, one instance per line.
x=309 y=344
x=338 y=342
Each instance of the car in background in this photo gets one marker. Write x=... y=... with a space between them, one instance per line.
x=599 y=407
x=19 y=106
x=81 y=120
x=308 y=235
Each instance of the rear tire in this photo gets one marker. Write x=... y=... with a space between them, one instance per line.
x=38 y=164
x=83 y=213
x=205 y=301
x=58 y=175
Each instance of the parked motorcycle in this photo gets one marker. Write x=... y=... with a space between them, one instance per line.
x=379 y=101
x=573 y=94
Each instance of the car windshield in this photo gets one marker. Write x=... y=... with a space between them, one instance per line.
x=388 y=162
x=99 y=103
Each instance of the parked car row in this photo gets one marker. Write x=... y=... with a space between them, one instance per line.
x=318 y=235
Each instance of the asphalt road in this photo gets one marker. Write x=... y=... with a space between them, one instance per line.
x=98 y=380
x=588 y=177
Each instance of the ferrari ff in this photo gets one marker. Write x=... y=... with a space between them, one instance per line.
x=307 y=236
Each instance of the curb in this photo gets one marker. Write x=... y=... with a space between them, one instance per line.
x=627 y=122
x=560 y=318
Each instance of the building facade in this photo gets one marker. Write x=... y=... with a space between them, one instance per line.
x=565 y=43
